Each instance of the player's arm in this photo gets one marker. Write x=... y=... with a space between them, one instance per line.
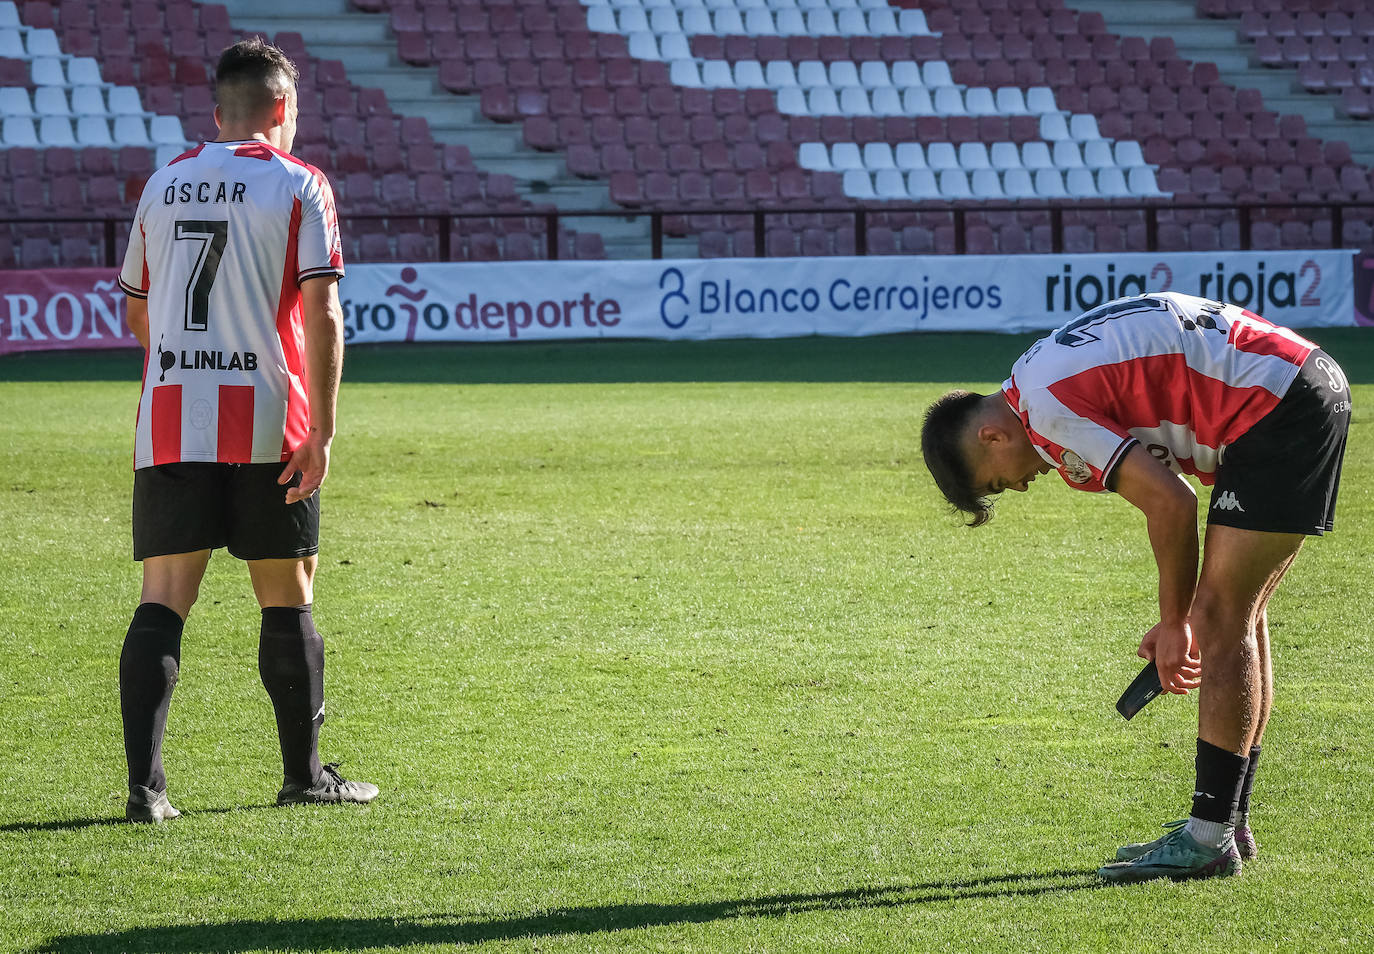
x=1170 y=508
x=323 y=324
x=136 y=317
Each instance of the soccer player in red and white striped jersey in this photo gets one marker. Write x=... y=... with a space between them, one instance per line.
x=231 y=275
x=1129 y=397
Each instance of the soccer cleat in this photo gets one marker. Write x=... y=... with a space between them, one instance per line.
x=148 y=807
x=1178 y=856
x=332 y=788
x=1246 y=846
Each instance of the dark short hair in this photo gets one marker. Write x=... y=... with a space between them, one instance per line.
x=942 y=435
x=251 y=75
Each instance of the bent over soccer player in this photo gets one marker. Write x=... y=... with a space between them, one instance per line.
x=1128 y=397
x=230 y=275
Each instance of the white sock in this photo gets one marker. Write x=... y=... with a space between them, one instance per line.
x=1209 y=833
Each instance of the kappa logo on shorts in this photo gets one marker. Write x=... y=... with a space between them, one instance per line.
x=1228 y=501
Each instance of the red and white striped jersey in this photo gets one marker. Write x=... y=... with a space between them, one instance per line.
x=1182 y=376
x=222 y=239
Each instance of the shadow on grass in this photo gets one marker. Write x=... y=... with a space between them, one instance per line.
x=443 y=929
x=76 y=824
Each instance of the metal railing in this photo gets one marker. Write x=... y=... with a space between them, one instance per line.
x=1245 y=215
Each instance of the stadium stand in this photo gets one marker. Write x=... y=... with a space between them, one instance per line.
x=102 y=120
x=801 y=106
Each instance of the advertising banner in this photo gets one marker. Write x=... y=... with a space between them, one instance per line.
x=62 y=308
x=771 y=298
x=738 y=298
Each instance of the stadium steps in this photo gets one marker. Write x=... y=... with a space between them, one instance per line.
x=1217 y=41
x=366 y=45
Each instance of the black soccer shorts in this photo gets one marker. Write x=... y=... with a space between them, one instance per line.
x=181 y=508
x=1282 y=475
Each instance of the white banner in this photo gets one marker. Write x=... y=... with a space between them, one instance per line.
x=774 y=298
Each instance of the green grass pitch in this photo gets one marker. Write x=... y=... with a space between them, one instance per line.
x=659 y=647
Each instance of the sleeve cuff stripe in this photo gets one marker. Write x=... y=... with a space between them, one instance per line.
x=131 y=291
x=316 y=272
x=1116 y=459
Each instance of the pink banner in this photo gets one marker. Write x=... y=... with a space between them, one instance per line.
x=55 y=309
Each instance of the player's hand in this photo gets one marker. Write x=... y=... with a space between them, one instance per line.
x=311 y=461
x=1175 y=653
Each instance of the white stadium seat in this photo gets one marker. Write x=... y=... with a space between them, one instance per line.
x=854 y=102
x=1083 y=127
x=985 y=184
x=1053 y=128
x=948 y=101
x=664 y=20
x=878 y=156
x=922 y=184
x=822 y=102
x=727 y=22
x=913 y=23
x=602 y=20
x=674 y=46
x=843 y=73
x=883 y=22
x=759 y=23
x=1097 y=154
x=89 y=101
x=873 y=75
x=684 y=73
x=936 y=73
x=42 y=43
x=821 y=23
x=14 y=101
x=749 y=75
x=1010 y=101
x=846 y=155
x=1004 y=155
x=954 y=184
x=18 y=131
x=858 y=185
x=12 y=45
x=1049 y=184
x=644 y=46
x=1036 y=155
x=811 y=74
x=1128 y=154
x=84 y=71
x=52 y=101
x=973 y=155
x=1040 y=99
x=9 y=14
x=715 y=74
x=1017 y=184
x=779 y=74
x=979 y=102
x=790 y=22
x=57 y=131
x=813 y=155
x=632 y=21
x=916 y=101
x=909 y=155
x=697 y=21
x=1066 y=155
x=47 y=71
x=792 y=101
x=941 y=156
x=851 y=23
x=130 y=131
x=906 y=73
x=887 y=102
x=889 y=184
x=1080 y=184
x=94 y=131
x=1112 y=184
x=166 y=130
x=1141 y=180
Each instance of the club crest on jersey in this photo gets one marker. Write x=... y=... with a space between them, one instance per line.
x=1075 y=467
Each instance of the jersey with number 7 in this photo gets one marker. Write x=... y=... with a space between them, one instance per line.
x=222 y=239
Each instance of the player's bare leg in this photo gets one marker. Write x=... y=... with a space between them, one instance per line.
x=1246 y=844
x=291 y=664
x=149 y=666
x=1240 y=571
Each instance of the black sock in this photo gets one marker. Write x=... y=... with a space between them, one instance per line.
x=1219 y=775
x=148 y=668
x=291 y=663
x=1248 y=784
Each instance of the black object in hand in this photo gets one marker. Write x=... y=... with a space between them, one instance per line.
x=1141 y=690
